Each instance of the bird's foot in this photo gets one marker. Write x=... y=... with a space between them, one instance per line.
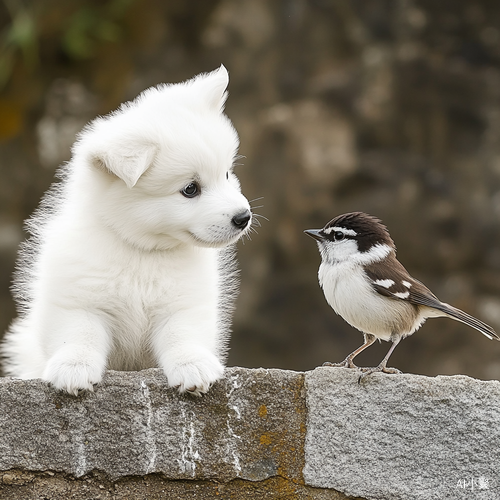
x=379 y=368
x=347 y=363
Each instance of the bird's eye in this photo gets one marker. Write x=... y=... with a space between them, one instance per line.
x=191 y=190
x=227 y=175
x=338 y=235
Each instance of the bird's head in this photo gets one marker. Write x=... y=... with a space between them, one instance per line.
x=353 y=237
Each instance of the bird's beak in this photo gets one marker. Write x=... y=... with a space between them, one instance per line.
x=314 y=233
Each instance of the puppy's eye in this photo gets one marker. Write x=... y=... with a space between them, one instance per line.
x=191 y=190
x=227 y=175
x=338 y=236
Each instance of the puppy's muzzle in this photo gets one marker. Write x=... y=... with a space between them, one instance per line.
x=242 y=219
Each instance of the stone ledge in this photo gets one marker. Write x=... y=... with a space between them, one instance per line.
x=251 y=425
x=267 y=433
x=19 y=485
x=402 y=436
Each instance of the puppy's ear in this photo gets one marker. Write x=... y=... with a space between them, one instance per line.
x=213 y=85
x=128 y=162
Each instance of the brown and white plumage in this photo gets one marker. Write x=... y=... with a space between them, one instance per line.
x=365 y=284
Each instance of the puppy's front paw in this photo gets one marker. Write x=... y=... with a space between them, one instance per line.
x=194 y=372
x=72 y=369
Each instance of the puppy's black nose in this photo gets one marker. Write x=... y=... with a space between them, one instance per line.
x=241 y=220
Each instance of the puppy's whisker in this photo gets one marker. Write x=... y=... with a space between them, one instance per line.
x=256 y=199
x=245 y=237
x=261 y=216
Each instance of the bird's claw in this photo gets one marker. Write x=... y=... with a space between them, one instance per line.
x=347 y=363
x=380 y=368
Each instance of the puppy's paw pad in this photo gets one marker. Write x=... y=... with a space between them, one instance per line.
x=73 y=373
x=195 y=376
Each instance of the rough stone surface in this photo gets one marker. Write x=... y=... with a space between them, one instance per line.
x=18 y=485
x=403 y=437
x=258 y=434
x=250 y=426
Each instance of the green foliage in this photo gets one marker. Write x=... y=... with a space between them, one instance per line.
x=79 y=33
x=91 y=26
x=19 y=40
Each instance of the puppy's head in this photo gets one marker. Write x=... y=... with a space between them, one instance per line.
x=161 y=167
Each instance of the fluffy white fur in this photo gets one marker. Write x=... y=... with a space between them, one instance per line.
x=122 y=271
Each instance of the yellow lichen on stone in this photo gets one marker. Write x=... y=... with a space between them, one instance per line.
x=265 y=439
x=262 y=411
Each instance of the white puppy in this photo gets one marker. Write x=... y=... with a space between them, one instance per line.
x=128 y=266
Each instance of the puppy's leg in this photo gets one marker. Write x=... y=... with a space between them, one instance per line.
x=77 y=345
x=23 y=356
x=186 y=349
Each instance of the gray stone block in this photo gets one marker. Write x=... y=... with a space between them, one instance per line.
x=402 y=436
x=251 y=425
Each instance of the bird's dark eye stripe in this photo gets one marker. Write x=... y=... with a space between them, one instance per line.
x=337 y=236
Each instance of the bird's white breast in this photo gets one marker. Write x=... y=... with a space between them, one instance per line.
x=348 y=291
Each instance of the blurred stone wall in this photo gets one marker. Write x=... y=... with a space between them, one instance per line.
x=389 y=107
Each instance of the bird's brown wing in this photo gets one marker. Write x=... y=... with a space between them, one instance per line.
x=405 y=287
x=392 y=280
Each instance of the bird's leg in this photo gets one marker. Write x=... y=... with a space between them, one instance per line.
x=382 y=367
x=347 y=363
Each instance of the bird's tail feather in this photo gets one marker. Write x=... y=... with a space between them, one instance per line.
x=469 y=320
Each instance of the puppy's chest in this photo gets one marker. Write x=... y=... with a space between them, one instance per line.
x=137 y=288
x=132 y=284
x=131 y=301
x=140 y=285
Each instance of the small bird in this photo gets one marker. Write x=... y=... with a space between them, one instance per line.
x=366 y=285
